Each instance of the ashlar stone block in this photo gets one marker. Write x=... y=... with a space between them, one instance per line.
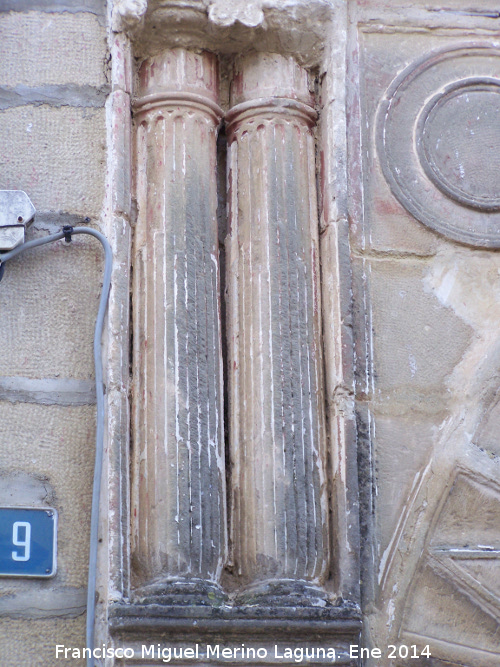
x=56 y=155
x=39 y=48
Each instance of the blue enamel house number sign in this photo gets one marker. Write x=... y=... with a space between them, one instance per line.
x=28 y=542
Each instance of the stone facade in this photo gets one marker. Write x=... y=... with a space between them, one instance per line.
x=302 y=335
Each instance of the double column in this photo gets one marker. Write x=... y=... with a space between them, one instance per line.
x=178 y=504
x=279 y=517
x=277 y=435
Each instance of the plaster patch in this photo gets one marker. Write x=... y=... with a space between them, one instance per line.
x=20 y=488
x=96 y=7
x=53 y=95
x=47 y=391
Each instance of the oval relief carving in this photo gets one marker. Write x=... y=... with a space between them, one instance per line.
x=438 y=138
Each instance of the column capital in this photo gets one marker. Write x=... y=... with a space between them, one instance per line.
x=269 y=108
x=179 y=78
x=269 y=85
x=258 y=75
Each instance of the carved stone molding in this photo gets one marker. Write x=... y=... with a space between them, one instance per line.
x=438 y=142
x=464 y=166
x=460 y=564
x=178 y=506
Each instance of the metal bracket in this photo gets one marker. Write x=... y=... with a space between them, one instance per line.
x=16 y=213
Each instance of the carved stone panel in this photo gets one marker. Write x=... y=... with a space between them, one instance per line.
x=457 y=578
x=427 y=316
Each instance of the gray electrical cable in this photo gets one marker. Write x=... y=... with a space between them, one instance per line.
x=99 y=446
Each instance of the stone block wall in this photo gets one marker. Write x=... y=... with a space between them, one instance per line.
x=53 y=89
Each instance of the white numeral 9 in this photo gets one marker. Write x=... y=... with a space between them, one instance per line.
x=26 y=543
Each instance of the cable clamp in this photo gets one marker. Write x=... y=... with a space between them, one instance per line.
x=67 y=231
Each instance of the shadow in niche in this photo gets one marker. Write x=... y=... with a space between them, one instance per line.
x=222 y=232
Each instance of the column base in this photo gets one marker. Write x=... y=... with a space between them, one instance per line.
x=180 y=593
x=277 y=621
x=284 y=593
x=279 y=634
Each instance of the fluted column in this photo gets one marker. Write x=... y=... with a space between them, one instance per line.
x=279 y=516
x=178 y=507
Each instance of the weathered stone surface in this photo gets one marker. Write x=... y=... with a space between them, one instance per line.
x=178 y=527
x=402 y=446
x=299 y=638
x=276 y=27
x=486 y=436
x=53 y=57
x=50 y=41
x=334 y=93
x=96 y=7
x=382 y=222
x=445 y=177
x=275 y=360
x=427 y=362
x=53 y=445
x=341 y=423
x=47 y=391
x=19 y=488
x=280 y=608
x=420 y=16
x=426 y=340
x=113 y=566
x=119 y=176
x=122 y=70
x=56 y=156
x=54 y=95
x=63 y=601
x=457 y=576
x=34 y=642
x=48 y=320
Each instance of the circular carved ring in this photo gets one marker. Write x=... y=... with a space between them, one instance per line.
x=438 y=139
x=458 y=146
